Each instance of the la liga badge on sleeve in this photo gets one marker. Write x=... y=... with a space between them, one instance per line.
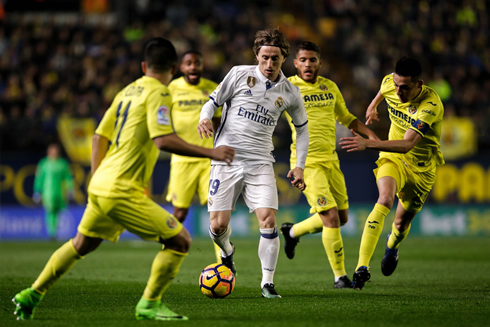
x=163 y=116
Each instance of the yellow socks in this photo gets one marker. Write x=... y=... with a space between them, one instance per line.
x=217 y=251
x=164 y=268
x=310 y=225
x=332 y=242
x=370 y=235
x=60 y=262
x=397 y=237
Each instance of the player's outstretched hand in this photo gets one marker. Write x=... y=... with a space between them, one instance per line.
x=297 y=178
x=205 y=128
x=371 y=114
x=224 y=153
x=356 y=143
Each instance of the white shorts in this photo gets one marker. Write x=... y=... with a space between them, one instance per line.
x=256 y=183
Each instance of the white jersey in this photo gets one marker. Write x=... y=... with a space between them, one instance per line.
x=252 y=106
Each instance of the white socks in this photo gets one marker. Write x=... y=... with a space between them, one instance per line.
x=268 y=252
x=223 y=241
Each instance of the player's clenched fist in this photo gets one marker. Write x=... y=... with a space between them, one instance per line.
x=296 y=176
x=224 y=153
x=205 y=128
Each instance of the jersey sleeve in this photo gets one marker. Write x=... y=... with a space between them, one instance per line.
x=158 y=105
x=226 y=89
x=342 y=114
x=387 y=84
x=431 y=111
x=296 y=109
x=106 y=126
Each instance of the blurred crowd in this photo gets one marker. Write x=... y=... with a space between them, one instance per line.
x=52 y=68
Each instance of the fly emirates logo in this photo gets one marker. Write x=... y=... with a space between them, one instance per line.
x=259 y=115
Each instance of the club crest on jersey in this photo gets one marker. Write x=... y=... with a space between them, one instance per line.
x=163 y=117
x=412 y=109
x=251 y=81
x=171 y=222
x=279 y=102
x=321 y=201
x=420 y=125
x=210 y=201
x=323 y=87
x=205 y=93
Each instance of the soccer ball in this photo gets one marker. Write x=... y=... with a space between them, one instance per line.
x=216 y=281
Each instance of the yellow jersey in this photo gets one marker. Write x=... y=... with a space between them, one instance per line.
x=324 y=105
x=139 y=113
x=423 y=115
x=187 y=101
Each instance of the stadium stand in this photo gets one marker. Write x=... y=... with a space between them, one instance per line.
x=52 y=67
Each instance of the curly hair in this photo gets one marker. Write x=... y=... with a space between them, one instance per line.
x=308 y=46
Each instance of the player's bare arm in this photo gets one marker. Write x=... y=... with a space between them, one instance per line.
x=372 y=110
x=205 y=128
x=358 y=143
x=297 y=178
x=360 y=128
x=174 y=144
x=100 y=144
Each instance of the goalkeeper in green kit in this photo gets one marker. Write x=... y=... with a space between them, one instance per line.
x=54 y=185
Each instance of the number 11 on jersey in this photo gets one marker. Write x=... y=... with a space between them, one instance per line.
x=124 y=117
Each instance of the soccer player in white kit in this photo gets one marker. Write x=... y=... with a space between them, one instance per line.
x=253 y=98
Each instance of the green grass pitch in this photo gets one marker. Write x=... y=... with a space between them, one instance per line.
x=439 y=282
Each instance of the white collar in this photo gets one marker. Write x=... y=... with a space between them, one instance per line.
x=264 y=79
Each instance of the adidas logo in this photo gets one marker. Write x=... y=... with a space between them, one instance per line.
x=249 y=92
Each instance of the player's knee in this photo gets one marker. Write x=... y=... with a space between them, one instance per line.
x=180 y=242
x=401 y=226
x=386 y=200
x=268 y=222
x=180 y=214
x=186 y=240
x=330 y=218
x=84 y=244
x=218 y=226
x=344 y=217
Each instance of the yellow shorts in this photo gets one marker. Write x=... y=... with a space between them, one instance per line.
x=187 y=178
x=325 y=186
x=107 y=218
x=414 y=186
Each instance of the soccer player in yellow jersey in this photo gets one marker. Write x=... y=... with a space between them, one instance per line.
x=326 y=192
x=189 y=175
x=407 y=161
x=125 y=149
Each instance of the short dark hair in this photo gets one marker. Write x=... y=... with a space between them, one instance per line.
x=160 y=55
x=308 y=46
x=192 y=51
x=271 y=37
x=408 y=67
